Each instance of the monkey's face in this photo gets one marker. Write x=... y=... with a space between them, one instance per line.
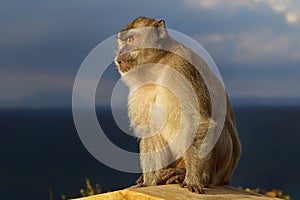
x=128 y=52
x=136 y=45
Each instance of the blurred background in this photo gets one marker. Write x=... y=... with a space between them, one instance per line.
x=255 y=44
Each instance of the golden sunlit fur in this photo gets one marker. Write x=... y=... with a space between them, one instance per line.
x=155 y=110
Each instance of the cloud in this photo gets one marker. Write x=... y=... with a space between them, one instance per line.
x=293 y=17
x=277 y=5
x=17 y=34
x=252 y=46
x=36 y=89
x=213 y=4
x=43 y=43
x=258 y=63
x=263 y=88
x=19 y=85
x=290 y=9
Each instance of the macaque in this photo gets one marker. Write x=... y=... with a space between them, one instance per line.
x=157 y=116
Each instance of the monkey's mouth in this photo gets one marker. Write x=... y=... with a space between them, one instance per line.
x=125 y=63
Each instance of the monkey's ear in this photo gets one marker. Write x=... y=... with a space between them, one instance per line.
x=160 y=24
x=161 y=28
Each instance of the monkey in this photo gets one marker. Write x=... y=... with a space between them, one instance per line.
x=144 y=48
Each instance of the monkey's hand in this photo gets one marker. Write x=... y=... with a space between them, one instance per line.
x=140 y=180
x=193 y=185
x=172 y=175
x=167 y=176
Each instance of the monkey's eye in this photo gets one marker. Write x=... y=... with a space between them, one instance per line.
x=130 y=39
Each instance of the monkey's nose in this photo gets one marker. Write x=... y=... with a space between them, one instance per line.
x=119 y=60
x=122 y=58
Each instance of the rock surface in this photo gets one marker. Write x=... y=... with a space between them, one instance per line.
x=175 y=192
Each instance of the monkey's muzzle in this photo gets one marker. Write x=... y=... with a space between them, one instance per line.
x=125 y=62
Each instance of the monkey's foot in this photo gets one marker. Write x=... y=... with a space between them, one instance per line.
x=173 y=175
x=193 y=187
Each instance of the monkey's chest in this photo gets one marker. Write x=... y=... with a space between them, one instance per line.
x=154 y=109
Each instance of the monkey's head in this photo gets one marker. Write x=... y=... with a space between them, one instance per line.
x=138 y=42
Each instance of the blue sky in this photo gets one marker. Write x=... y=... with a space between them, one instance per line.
x=255 y=44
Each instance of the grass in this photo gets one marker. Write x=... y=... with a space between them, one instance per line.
x=273 y=193
x=87 y=190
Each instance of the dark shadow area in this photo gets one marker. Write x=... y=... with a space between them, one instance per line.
x=40 y=149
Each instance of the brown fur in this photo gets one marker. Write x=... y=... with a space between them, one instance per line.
x=190 y=170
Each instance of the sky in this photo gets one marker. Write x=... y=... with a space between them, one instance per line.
x=255 y=44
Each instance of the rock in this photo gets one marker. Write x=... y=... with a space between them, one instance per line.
x=175 y=192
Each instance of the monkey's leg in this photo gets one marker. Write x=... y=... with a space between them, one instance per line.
x=193 y=179
x=153 y=157
x=147 y=179
x=197 y=169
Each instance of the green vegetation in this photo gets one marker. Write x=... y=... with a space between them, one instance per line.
x=88 y=190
